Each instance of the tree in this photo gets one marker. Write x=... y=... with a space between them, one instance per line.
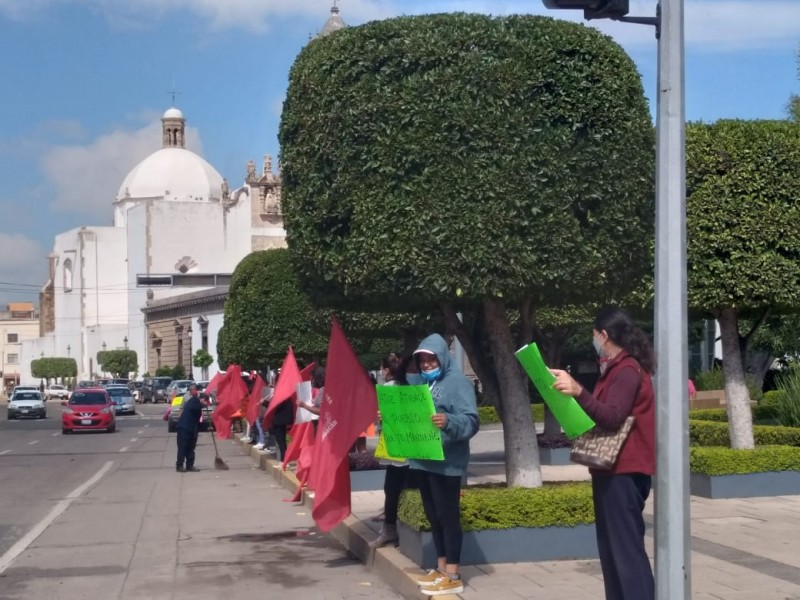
x=202 y=360
x=120 y=363
x=743 y=228
x=54 y=368
x=473 y=163
x=794 y=99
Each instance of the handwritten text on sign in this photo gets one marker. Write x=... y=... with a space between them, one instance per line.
x=406 y=412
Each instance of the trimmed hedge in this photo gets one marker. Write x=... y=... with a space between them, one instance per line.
x=710 y=433
x=488 y=414
x=553 y=505
x=761 y=412
x=726 y=461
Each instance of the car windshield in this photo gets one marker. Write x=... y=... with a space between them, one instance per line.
x=118 y=392
x=56 y=387
x=84 y=398
x=27 y=396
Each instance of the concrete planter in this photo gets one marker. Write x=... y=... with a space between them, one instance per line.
x=364 y=481
x=520 y=544
x=554 y=456
x=708 y=399
x=750 y=485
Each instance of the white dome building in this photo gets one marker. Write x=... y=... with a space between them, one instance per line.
x=171 y=174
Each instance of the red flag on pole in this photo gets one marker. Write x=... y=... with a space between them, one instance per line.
x=302 y=448
x=230 y=392
x=254 y=400
x=350 y=404
x=284 y=388
x=214 y=383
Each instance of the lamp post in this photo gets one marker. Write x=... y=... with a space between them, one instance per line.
x=191 y=360
x=41 y=354
x=672 y=538
x=104 y=346
x=68 y=349
x=125 y=341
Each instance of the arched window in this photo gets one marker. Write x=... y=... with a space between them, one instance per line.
x=68 y=275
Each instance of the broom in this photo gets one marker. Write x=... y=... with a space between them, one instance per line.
x=219 y=464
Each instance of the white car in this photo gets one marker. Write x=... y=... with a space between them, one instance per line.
x=56 y=391
x=26 y=404
x=122 y=397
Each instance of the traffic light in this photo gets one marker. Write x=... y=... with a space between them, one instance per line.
x=593 y=9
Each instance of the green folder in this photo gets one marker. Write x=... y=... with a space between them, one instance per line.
x=569 y=414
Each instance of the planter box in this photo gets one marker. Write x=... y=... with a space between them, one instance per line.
x=708 y=399
x=519 y=544
x=554 y=456
x=751 y=485
x=364 y=481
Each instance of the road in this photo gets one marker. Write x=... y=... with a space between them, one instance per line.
x=104 y=516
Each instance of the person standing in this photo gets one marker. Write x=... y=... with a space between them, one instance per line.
x=440 y=481
x=188 y=428
x=625 y=388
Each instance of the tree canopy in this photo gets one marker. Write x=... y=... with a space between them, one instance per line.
x=479 y=164
x=54 y=367
x=121 y=363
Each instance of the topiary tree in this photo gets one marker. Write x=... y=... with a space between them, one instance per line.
x=202 y=360
x=53 y=368
x=473 y=163
x=743 y=228
x=120 y=363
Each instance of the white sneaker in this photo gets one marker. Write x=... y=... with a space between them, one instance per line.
x=259 y=446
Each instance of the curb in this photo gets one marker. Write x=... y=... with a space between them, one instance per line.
x=393 y=566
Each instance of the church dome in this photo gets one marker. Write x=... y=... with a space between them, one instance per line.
x=172 y=174
x=173 y=113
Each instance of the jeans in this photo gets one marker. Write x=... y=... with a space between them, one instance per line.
x=260 y=429
x=441 y=499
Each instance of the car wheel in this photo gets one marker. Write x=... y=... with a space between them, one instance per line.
x=65 y=431
x=10 y=417
x=44 y=415
x=112 y=428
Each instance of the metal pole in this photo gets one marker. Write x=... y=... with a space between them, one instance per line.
x=672 y=532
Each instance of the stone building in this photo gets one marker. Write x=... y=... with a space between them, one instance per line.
x=19 y=322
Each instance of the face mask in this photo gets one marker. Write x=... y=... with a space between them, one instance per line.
x=431 y=375
x=597 y=345
x=414 y=379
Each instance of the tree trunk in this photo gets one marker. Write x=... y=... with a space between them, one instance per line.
x=758 y=365
x=519 y=434
x=740 y=417
x=552 y=347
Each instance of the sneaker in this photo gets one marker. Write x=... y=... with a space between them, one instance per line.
x=180 y=469
x=444 y=585
x=428 y=578
x=192 y=469
x=259 y=446
x=387 y=535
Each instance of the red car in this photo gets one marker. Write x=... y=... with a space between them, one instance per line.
x=88 y=409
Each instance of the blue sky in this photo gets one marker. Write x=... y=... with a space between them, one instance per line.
x=84 y=83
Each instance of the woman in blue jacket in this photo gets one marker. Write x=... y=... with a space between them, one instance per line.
x=440 y=481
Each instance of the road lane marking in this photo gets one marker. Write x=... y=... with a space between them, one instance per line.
x=123 y=449
x=140 y=432
x=134 y=439
x=33 y=442
x=148 y=425
x=38 y=529
x=56 y=434
x=5 y=452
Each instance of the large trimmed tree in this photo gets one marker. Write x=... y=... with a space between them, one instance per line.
x=484 y=165
x=743 y=228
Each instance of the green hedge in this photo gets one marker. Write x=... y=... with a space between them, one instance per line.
x=710 y=433
x=553 y=505
x=488 y=414
x=709 y=414
x=726 y=461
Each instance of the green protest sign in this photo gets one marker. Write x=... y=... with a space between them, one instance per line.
x=406 y=412
x=569 y=414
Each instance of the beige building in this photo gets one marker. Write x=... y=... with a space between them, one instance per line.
x=19 y=322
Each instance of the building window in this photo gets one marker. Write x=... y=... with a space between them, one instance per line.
x=180 y=351
x=12 y=338
x=68 y=275
x=158 y=358
x=12 y=359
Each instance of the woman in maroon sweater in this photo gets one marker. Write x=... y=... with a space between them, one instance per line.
x=625 y=388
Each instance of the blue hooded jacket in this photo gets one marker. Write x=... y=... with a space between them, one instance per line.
x=453 y=395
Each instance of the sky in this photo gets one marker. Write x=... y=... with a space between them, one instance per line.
x=85 y=82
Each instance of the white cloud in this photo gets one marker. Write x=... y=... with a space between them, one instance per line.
x=85 y=179
x=23 y=268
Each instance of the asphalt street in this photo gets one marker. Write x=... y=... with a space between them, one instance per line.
x=97 y=515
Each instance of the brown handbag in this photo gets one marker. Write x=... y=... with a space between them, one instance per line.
x=599 y=448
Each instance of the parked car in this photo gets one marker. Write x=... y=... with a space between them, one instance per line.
x=122 y=397
x=154 y=389
x=103 y=382
x=24 y=388
x=89 y=409
x=26 y=403
x=120 y=381
x=206 y=424
x=178 y=387
x=84 y=384
x=56 y=391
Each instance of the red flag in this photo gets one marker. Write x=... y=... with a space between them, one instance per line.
x=230 y=392
x=214 y=383
x=350 y=404
x=302 y=450
x=284 y=388
x=254 y=400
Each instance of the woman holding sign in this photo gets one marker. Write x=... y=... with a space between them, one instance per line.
x=625 y=388
x=440 y=481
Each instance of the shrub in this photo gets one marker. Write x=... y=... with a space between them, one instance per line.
x=553 y=505
x=363 y=461
x=709 y=433
x=786 y=406
x=488 y=414
x=709 y=414
x=714 y=379
x=726 y=461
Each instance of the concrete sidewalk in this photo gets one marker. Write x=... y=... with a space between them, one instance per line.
x=741 y=549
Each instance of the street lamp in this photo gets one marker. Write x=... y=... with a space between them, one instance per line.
x=104 y=346
x=125 y=341
x=41 y=354
x=191 y=360
x=68 y=349
x=672 y=539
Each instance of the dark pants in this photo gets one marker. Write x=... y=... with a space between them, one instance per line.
x=394 y=482
x=618 y=505
x=279 y=431
x=187 y=441
x=441 y=499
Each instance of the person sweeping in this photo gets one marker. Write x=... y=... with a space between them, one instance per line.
x=188 y=428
